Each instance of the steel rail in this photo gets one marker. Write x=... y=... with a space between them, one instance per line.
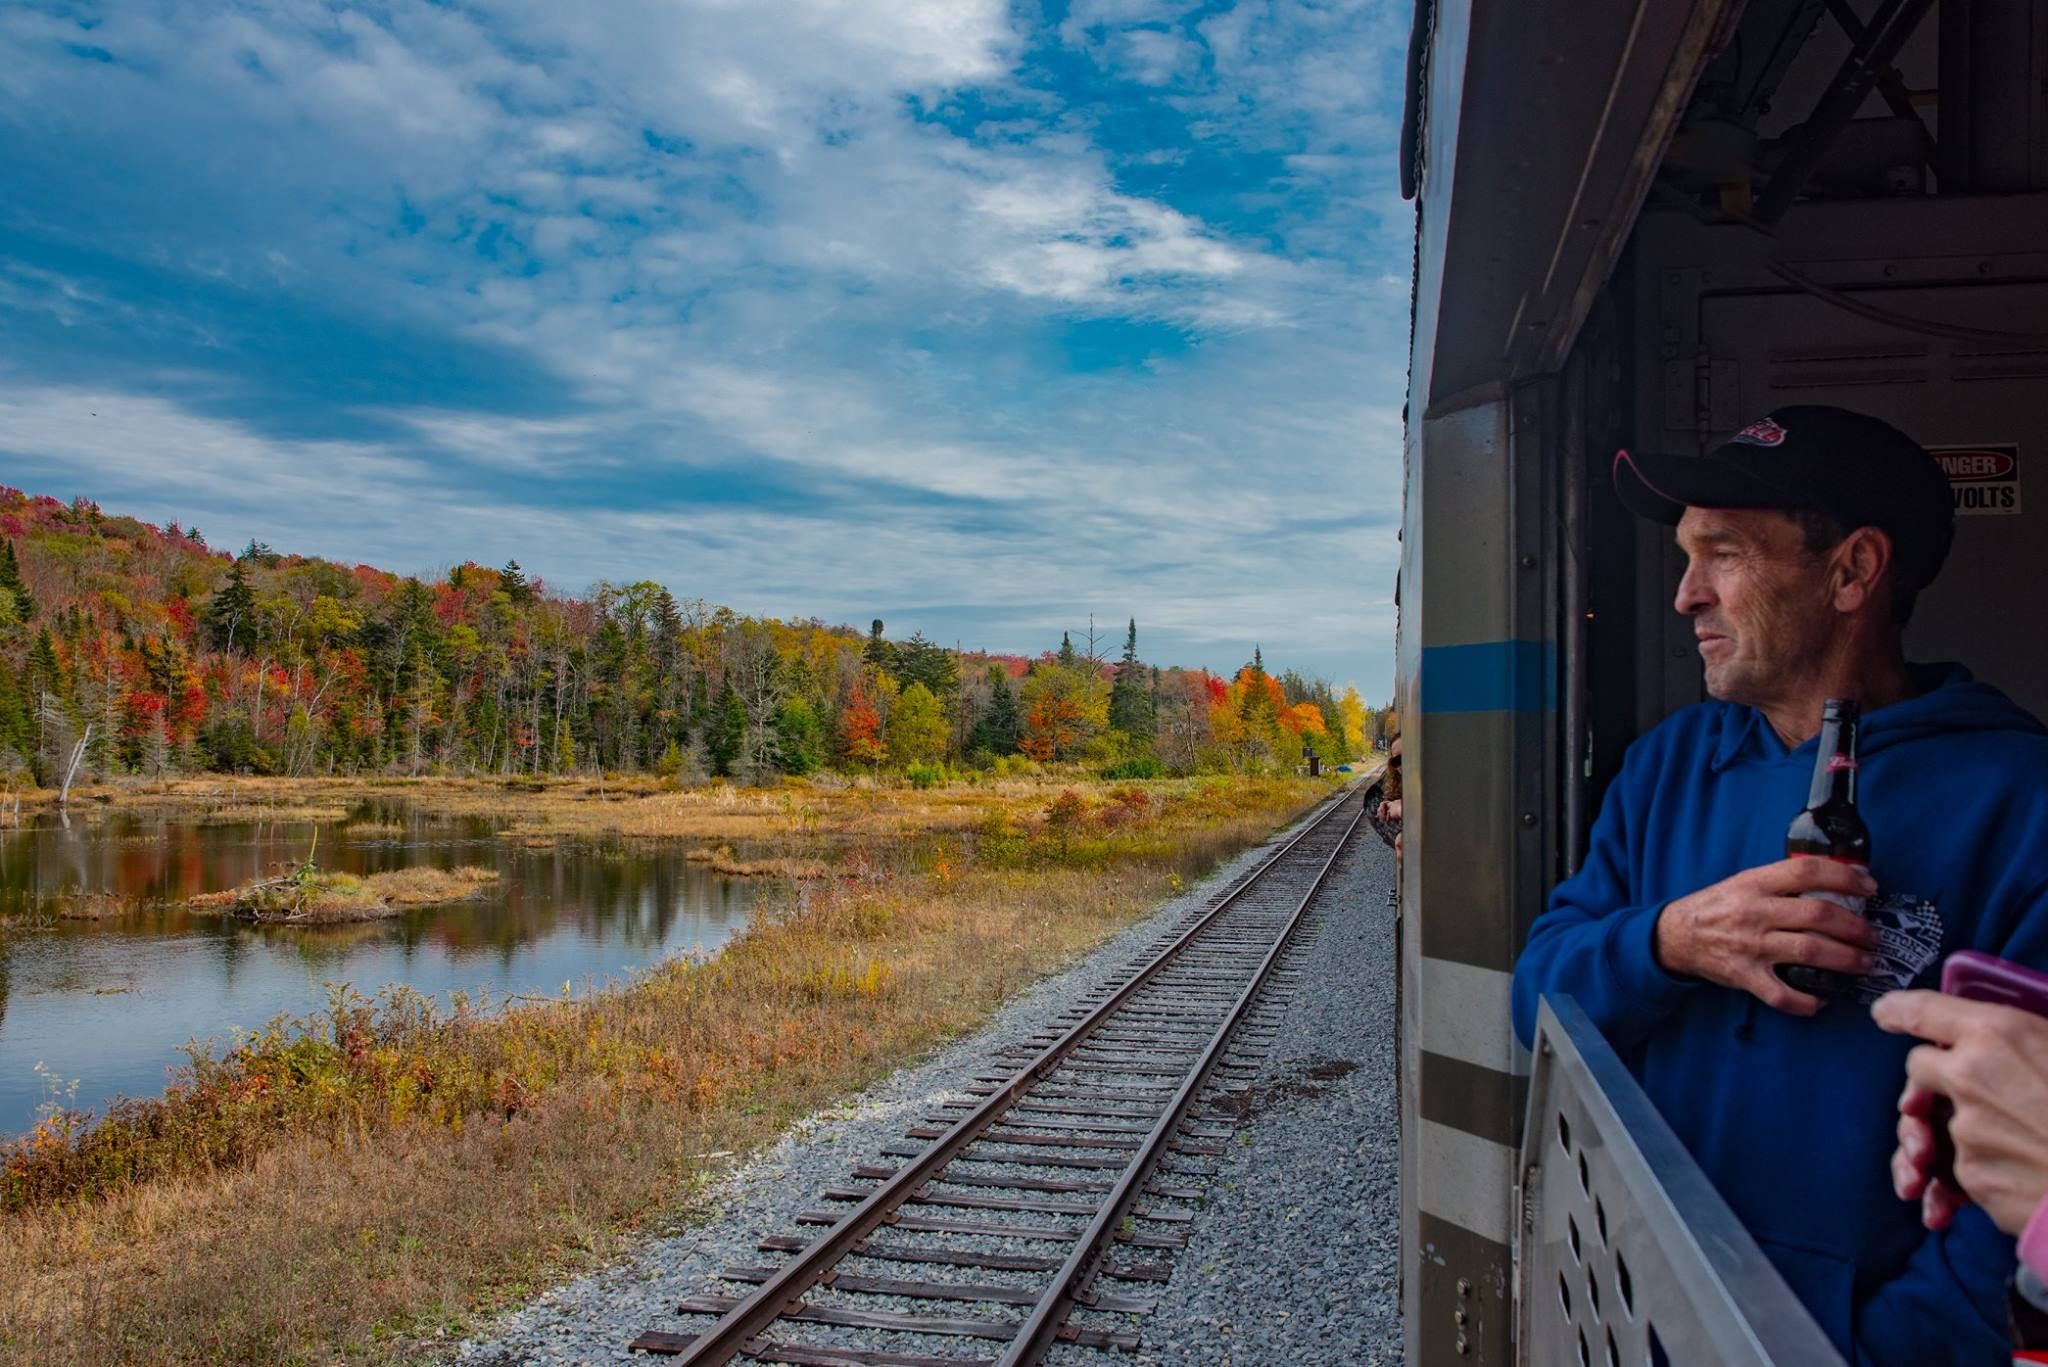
x=743 y=1324
x=1041 y=1328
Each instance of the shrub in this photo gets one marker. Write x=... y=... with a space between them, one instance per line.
x=1067 y=811
x=1135 y=767
x=997 y=842
x=926 y=775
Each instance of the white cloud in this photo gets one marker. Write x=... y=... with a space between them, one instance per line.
x=146 y=443
x=526 y=444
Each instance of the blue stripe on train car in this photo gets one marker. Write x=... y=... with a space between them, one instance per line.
x=1490 y=676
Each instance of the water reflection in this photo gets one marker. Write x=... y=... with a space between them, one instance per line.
x=109 y=1004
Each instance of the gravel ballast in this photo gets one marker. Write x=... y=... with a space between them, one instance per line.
x=1292 y=1255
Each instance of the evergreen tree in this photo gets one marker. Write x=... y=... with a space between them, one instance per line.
x=414 y=611
x=513 y=581
x=998 y=729
x=231 y=606
x=17 y=727
x=728 y=731
x=879 y=653
x=45 y=672
x=1130 y=702
x=1066 y=649
x=801 y=735
x=668 y=628
x=10 y=580
x=919 y=661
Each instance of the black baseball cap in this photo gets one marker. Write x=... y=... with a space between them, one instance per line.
x=1858 y=469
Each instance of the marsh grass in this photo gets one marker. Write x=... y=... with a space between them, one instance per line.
x=310 y=896
x=341 y=1187
x=826 y=806
x=253 y=813
x=93 y=905
x=722 y=860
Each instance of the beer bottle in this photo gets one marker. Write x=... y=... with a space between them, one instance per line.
x=1830 y=828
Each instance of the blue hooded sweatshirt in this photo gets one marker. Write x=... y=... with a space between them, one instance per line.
x=1794 y=1118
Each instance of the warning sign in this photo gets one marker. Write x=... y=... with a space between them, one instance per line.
x=1982 y=479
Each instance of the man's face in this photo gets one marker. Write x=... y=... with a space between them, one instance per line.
x=1762 y=606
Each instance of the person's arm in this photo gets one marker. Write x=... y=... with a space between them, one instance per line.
x=1594 y=942
x=1629 y=962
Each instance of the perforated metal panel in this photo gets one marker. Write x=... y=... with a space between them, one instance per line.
x=1629 y=1257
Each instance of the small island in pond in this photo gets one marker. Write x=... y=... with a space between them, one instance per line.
x=310 y=896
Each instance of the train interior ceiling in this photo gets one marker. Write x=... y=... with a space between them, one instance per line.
x=1853 y=209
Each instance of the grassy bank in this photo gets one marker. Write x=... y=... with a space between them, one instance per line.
x=341 y=1188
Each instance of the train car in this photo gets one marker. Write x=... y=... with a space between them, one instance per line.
x=1643 y=224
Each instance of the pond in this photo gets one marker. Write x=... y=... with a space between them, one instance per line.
x=94 y=1009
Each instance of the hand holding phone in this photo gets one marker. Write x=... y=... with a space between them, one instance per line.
x=1984 y=1059
x=1982 y=978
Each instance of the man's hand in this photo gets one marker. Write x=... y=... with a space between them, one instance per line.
x=1390 y=811
x=1735 y=931
x=1991 y=1062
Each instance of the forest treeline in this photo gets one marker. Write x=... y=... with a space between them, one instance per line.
x=127 y=648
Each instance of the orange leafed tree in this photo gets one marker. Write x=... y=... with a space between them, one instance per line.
x=1304 y=719
x=860 y=730
x=1051 y=727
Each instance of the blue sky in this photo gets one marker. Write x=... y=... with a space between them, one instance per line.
x=972 y=315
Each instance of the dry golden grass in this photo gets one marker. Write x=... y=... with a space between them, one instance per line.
x=93 y=906
x=722 y=860
x=245 y=813
x=637 y=806
x=331 y=898
x=341 y=1190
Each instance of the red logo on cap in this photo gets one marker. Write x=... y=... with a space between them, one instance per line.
x=1762 y=433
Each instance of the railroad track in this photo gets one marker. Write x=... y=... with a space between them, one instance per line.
x=1033 y=1210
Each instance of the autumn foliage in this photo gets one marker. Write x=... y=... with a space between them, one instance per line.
x=860 y=730
x=145 y=651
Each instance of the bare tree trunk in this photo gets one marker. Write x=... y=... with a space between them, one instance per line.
x=71 y=770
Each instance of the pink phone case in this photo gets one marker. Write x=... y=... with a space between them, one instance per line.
x=1983 y=978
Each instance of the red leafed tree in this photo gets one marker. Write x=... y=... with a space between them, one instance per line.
x=860 y=730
